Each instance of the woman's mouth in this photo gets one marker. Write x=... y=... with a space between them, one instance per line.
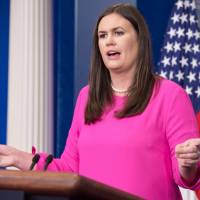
x=113 y=55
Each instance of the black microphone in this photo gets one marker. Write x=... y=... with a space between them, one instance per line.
x=48 y=160
x=35 y=160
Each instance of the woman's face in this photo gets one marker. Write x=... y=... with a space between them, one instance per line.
x=118 y=43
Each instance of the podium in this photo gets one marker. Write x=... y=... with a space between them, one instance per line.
x=67 y=185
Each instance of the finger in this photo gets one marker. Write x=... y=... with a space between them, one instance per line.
x=181 y=149
x=189 y=144
x=3 y=149
x=6 y=150
x=193 y=141
x=6 y=161
x=188 y=162
x=191 y=162
x=192 y=156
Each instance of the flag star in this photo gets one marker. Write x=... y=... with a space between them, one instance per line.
x=180 y=32
x=183 y=18
x=187 y=47
x=184 y=61
x=188 y=90
x=166 y=61
x=195 y=48
x=189 y=33
x=180 y=75
x=177 y=46
x=171 y=32
x=174 y=61
x=179 y=4
x=196 y=35
x=163 y=74
x=192 y=19
x=175 y=18
x=198 y=91
x=194 y=63
x=187 y=4
x=191 y=77
x=169 y=47
x=193 y=5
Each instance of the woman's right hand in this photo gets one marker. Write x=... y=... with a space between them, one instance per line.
x=10 y=156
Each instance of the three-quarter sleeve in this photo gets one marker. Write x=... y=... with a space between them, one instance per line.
x=69 y=160
x=181 y=124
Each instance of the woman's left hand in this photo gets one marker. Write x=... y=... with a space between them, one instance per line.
x=188 y=156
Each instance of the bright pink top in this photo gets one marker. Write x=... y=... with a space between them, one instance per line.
x=134 y=154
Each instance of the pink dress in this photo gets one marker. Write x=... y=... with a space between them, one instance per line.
x=134 y=154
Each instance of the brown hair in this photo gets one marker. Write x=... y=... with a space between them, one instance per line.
x=140 y=91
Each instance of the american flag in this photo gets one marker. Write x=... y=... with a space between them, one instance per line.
x=180 y=54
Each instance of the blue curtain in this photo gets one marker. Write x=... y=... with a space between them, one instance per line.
x=63 y=71
x=4 y=37
x=156 y=14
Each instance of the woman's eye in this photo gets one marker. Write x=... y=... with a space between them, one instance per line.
x=119 y=33
x=103 y=35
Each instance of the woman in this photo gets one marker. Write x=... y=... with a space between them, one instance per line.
x=130 y=129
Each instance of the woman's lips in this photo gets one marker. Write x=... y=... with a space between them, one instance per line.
x=113 y=55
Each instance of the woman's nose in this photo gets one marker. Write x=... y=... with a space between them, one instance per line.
x=110 y=40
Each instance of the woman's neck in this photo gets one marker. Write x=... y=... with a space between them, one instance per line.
x=120 y=85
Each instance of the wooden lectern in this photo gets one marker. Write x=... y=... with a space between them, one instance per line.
x=67 y=185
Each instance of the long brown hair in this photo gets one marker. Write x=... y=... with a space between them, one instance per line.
x=140 y=91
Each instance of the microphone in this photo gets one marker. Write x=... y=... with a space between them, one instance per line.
x=35 y=160
x=48 y=160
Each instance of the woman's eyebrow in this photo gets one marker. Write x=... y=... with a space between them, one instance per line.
x=113 y=29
